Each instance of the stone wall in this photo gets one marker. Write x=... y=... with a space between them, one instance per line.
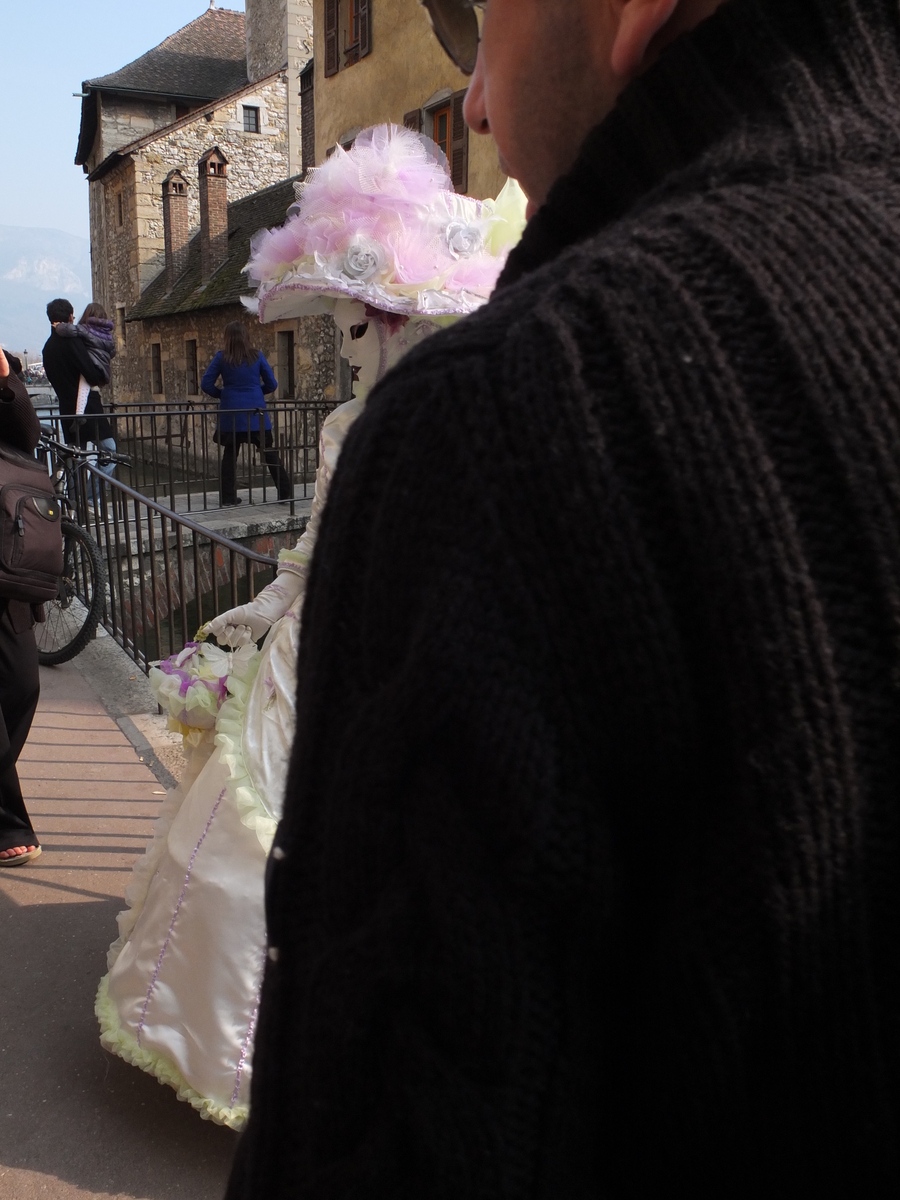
x=100 y=287
x=265 y=23
x=299 y=52
x=314 y=355
x=279 y=36
x=404 y=70
x=255 y=161
x=122 y=121
x=114 y=253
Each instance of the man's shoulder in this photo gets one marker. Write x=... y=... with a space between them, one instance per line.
x=55 y=352
x=60 y=345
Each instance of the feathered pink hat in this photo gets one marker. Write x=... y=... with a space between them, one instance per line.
x=380 y=223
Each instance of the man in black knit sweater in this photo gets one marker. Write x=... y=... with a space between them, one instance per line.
x=588 y=881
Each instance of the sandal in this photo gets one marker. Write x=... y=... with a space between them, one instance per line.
x=19 y=860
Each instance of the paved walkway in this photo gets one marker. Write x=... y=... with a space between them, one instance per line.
x=74 y=1120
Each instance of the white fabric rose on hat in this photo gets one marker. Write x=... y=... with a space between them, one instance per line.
x=463 y=241
x=364 y=258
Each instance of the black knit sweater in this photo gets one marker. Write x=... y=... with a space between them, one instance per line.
x=590 y=882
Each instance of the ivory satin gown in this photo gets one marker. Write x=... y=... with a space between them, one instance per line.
x=181 y=997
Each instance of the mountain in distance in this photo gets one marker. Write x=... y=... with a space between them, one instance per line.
x=36 y=265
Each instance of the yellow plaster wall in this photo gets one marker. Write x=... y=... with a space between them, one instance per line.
x=405 y=68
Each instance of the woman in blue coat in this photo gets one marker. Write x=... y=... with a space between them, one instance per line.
x=246 y=377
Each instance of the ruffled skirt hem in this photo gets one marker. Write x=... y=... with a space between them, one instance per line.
x=119 y=1041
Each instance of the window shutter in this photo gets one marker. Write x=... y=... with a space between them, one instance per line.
x=459 y=143
x=413 y=120
x=365 y=27
x=331 y=37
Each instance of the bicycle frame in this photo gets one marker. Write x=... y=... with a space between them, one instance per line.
x=68 y=476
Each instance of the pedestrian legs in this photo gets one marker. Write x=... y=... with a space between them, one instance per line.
x=19 y=692
x=231 y=443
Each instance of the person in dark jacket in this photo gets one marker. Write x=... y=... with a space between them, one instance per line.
x=19 y=681
x=67 y=360
x=96 y=332
x=587 y=880
x=243 y=418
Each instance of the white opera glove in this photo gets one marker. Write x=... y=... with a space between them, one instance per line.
x=249 y=622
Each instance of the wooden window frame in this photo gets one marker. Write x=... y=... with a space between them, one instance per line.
x=445 y=111
x=255 y=122
x=457 y=134
x=351 y=49
x=357 y=30
x=120 y=211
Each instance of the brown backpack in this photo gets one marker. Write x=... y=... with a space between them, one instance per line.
x=31 y=548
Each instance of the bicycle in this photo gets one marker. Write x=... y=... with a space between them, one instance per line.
x=71 y=619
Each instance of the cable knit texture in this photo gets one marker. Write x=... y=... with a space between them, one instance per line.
x=591 y=844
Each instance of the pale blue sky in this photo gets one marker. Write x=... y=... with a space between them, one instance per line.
x=50 y=49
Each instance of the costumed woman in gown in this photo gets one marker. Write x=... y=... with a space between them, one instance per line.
x=379 y=239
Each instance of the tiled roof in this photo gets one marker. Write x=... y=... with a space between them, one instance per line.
x=264 y=209
x=204 y=59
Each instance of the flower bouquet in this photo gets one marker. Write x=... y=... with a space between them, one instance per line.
x=191 y=686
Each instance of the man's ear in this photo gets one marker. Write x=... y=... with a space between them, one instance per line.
x=639 y=23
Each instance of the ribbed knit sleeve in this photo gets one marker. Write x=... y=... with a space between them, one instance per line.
x=587 y=880
x=584 y=622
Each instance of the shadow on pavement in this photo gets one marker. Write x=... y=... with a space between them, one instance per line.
x=67 y=1109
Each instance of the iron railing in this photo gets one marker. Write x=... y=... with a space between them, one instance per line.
x=177 y=460
x=167 y=574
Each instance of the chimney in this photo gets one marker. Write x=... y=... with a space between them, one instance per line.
x=175 y=226
x=212 y=172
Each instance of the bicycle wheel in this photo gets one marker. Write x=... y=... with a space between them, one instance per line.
x=70 y=620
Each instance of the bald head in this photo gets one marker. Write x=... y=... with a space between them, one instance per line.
x=549 y=70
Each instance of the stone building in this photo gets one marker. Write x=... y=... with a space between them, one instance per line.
x=227 y=81
x=377 y=60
